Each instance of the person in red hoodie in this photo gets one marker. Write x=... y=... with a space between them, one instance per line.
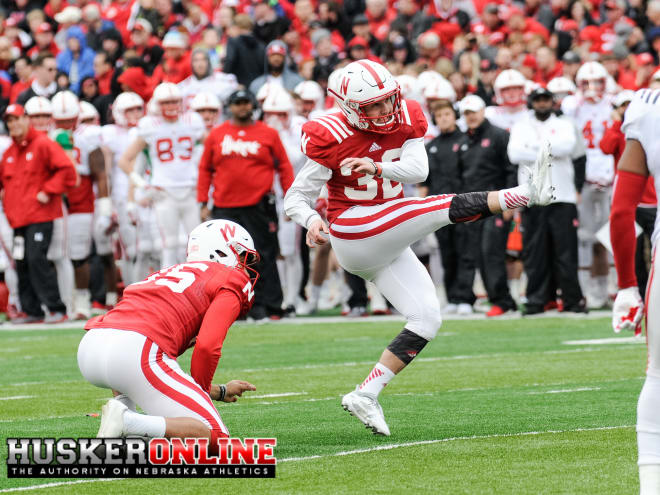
x=240 y=158
x=34 y=172
x=176 y=65
x=613 y=143
x=44 y=41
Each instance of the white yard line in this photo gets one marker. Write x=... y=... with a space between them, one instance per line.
x=315 y=320
x=17 y=397
x=265 y=396
x=357 y=451
x=443 y=440
x=565 y=391
x=52 y=485
x=611 y=340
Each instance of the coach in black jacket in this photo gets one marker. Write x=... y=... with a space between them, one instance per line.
x=445 y=178
x=486 y=167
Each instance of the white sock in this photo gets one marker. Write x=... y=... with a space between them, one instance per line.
x=110 y=298
x=515 y=197
x=377 y=379
x=315 y=294
x=143 y=425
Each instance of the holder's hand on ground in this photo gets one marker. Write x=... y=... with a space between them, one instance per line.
x=315 y=233
x=235 y=389
x=628 y=311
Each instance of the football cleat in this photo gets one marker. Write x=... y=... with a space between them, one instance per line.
x=366 y=408
x=541 y=191
x=112 y=419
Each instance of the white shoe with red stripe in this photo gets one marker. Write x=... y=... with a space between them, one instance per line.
x=366 y=408
x=541 y=192
x=112 y=419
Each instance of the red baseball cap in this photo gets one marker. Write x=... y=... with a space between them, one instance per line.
x=529 y=61
x=568 y=25
x=644 y=59
x=14 y=110
x=44 y=27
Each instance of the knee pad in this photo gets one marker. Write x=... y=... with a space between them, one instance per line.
x=407 y=345
x=79 y=263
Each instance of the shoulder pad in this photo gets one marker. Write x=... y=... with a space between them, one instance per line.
x=413 y=115
x=321 y=136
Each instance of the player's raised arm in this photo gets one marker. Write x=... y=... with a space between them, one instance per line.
x=127 y=160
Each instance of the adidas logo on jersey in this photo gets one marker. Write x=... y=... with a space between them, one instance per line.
x=243 y=148
x=374 y=147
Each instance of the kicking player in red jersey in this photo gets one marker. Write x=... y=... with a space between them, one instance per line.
x=363 y=154
x=133 y=348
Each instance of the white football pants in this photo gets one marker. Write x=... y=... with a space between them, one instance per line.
x=175 y=207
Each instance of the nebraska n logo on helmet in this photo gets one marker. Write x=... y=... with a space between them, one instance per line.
x=364 y=83
x=224 y=242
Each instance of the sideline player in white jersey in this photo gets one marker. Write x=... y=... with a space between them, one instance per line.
x=640 y=158
x=127 y=110
x=278 y=113
x=437 y=90
x=208 y=106
x=88 y=218
x=591 y=110
x=364 y=154
x=205 y=80
x=511 y=100
x=308 y=98
x=171 y=138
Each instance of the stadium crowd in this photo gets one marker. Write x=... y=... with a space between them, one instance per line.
x=221 y=90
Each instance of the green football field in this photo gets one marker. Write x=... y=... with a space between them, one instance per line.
x=527 y=406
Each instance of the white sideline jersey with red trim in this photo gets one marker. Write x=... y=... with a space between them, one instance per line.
x=86 y=138
x=642 y=123
x=116 y=139
x=172 y=148
x=592 y=120
x=329 y=139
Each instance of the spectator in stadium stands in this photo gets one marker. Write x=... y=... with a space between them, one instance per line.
x=45 y=71
x=134 y=79
x=613 y=143
x=380 y=16
x=412 y=17
x=623 y=77
x=240 y=159
x=547 y=66
x=112 y=43
x=77 y=60
x=103 y=72
x=276 y=69
x=34 y=173
x=69 y=16
x=570 y=64
x=44 y=41
x=269 y=25
x=23 y=72
x=326 y=55
x=94 y=25
x=146 y=45
x=645 y=70
x=333 y=18
x=361 y=28
x=486 y=167
x=245 y=53
x=485 y=89
x=175 y=65
x=550 y=245
x=445 y=178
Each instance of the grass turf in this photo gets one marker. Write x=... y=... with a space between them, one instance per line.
x=501 y=406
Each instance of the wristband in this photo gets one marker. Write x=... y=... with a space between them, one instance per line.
x=379 y=169
x=223 y=392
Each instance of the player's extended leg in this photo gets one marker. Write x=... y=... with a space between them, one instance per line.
x=648 y=420
x=408 y=286
x=175 y=405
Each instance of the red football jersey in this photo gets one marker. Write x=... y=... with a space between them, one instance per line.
x=172 y=305
x=329 y=139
